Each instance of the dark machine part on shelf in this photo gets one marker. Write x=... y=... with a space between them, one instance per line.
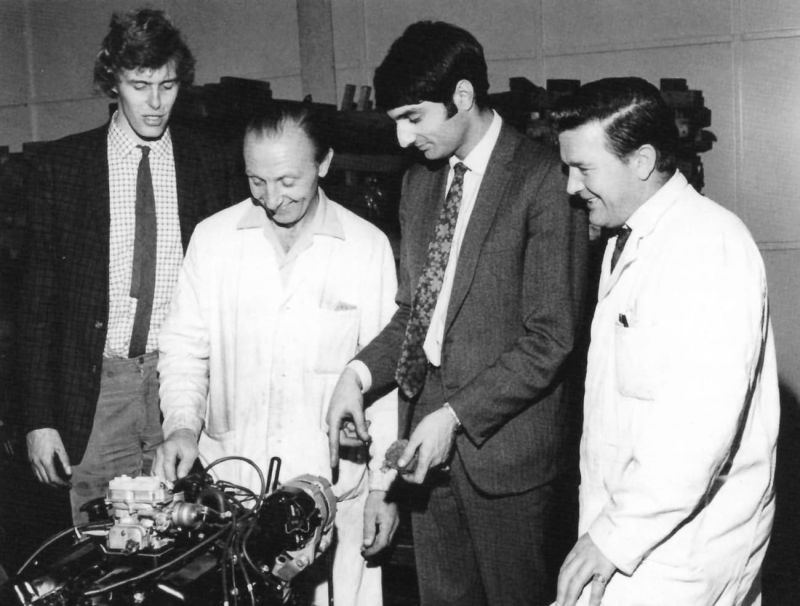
x=200 y=542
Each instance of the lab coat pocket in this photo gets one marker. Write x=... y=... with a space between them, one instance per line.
x=634 y=361
x=337 y=338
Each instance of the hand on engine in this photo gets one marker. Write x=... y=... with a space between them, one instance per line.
x=176 y=455
x=380 y=523
x=48 y=457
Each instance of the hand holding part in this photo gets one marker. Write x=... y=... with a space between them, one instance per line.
x=392 y=458
x=432 y=442
x=348 y=434
x=347 y=405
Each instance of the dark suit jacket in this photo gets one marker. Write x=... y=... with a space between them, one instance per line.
x=64 y=302
x=513 y=315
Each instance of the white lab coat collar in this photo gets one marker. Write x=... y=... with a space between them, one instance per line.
x=645 y=218
x=325 y=221
x=642 y=222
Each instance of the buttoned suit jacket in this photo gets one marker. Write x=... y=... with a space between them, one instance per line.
x=513 y=316
x=64 y=303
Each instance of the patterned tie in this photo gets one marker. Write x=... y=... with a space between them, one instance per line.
x=143 y=274
x=412 y=366
x=622 y=237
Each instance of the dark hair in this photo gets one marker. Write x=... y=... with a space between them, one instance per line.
x=427 y=62
x=272 y=121
x=631 y=111
x=144 y=38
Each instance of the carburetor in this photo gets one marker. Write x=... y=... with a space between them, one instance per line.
x=144 y=510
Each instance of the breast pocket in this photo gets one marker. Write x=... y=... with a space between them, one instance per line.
x=634 y=361
x=337 y=338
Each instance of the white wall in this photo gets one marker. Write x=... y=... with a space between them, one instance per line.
x=47 y=50
x=743 y=54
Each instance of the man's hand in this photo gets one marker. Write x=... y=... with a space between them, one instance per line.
x=176 y=455
x=345 y=414
x=584 y=564
x=380 y=523
x=46 y=454
x=432 y=441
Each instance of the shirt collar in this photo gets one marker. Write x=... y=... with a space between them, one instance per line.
x=645 y=218
x=478 y=159
x=325 y=222
x=122 y=144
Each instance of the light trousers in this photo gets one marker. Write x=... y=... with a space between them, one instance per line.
x=125 y=433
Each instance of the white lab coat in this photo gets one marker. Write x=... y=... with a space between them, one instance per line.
x=253 y=360
x=681 y=409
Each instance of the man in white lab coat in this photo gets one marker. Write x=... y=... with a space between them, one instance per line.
x=276 y=295
x=681 y=409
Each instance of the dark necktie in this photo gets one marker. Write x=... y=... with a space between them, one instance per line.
x=622 y=237
x=412 y=366
x=143 y=274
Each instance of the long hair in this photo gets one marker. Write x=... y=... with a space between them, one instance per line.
x=143 y=38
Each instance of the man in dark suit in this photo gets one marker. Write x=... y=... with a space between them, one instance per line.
x=111 y=212
x=491 y=283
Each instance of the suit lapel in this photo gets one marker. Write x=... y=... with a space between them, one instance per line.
x=88 y=224
x=424 y=198
x=490 y=195
x=96 y=187
x=429 y=213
